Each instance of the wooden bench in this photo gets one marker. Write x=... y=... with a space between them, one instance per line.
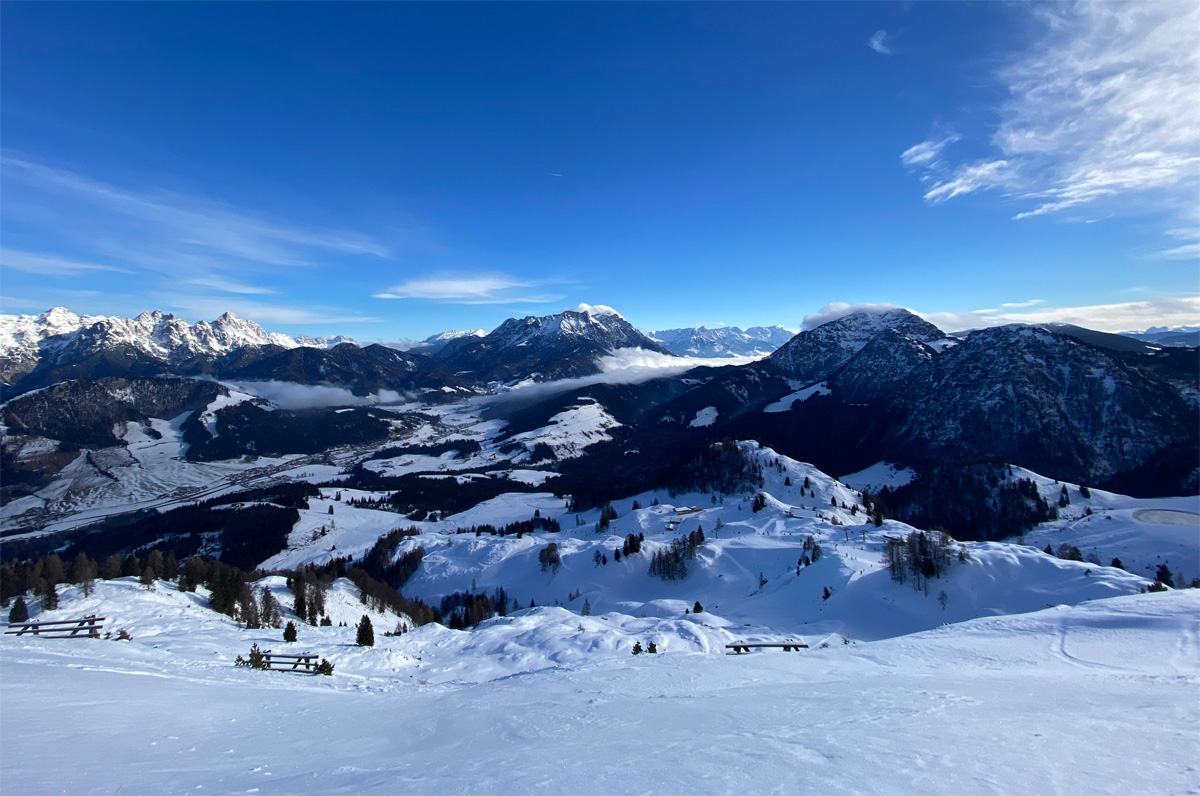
x=743 y=646
x=88 y=627
x=280 y=662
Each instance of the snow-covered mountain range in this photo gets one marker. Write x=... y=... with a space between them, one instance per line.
x=1162 y=335
x=725 y=341
x=436 y=342
x=569 y=343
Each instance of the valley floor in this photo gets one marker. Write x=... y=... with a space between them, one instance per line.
x=1096 y=698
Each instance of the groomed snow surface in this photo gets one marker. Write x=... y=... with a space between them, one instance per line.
x=1097 y=698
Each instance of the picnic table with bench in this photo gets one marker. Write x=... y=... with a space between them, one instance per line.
x=744 y=646
x=87 y=627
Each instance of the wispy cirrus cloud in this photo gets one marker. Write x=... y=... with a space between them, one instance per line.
x=230 y=286
x=470 y=289
x=51 y=265
x=186 y=253
x=878 y=43
x=165 y=226
x=203 y=306
x=927 y=152
x=1102 y=106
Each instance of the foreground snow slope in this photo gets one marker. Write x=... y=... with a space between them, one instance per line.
x=1098 y=698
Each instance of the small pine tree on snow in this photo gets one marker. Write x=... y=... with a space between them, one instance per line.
x=289 y=632
x=637 y=648
x=19 y=611
x=1164 y=576
x=1048 y=550
x=827 y=593
x=943 y=598
x=807 y=483
x=255 y=661
x=1116 y=562
x=596 y=558
x=50 y=598
x=1085 y=492
x=331 y=509
x=147 y=578
x=324 y=667
x=587 y=609
x=697 y=608
x=787 y=481
x=366 y=633
x=652 y=648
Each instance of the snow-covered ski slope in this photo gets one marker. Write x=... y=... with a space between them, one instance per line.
x=1096 y=698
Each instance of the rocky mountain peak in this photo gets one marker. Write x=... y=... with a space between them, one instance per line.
x=817 y=353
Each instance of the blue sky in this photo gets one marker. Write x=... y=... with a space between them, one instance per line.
x=393 y=170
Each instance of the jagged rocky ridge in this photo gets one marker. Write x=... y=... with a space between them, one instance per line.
x=41 y=350
x=544 y=348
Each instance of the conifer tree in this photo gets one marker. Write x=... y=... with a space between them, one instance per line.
x=19 y=611
x=366 y=633
x=289 y=632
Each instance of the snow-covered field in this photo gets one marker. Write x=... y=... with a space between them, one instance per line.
x=1097 y=698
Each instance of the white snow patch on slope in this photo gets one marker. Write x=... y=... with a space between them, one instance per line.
x=879 y=475
x=705 y=417
x=571 y=430
x=785 y=403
